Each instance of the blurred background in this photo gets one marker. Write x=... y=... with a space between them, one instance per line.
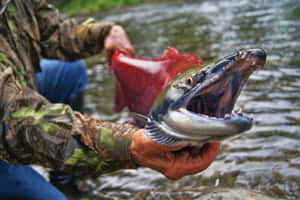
x=266 y=159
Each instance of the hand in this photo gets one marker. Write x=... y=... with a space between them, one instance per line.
x=173 y=162
x=117 y=39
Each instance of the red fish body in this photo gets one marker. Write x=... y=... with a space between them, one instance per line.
x=139 y=81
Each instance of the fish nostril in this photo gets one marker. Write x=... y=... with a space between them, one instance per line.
x=259 y=52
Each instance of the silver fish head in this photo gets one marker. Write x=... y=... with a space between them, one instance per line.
x=197 y=105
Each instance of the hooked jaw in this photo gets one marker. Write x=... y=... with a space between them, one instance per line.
x=216 y=96
x=205 y=112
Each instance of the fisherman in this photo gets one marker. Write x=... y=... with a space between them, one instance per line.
x=36 y=131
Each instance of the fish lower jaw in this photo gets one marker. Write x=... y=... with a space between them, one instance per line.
x=183 y=127
x=227 y=116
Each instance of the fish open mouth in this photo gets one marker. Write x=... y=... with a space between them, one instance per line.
x=218 y=96
x=215 y=101
x=205 y=112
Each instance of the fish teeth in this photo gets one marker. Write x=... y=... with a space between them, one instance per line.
x=227 y=116
x=251 y=117
x=238 y=111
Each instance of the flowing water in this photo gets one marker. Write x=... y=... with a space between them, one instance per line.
x=266 y=158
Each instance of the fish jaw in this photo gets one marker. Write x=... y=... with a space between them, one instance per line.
x=203 y=112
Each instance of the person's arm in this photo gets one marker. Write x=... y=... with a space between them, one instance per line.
x=34 y=131
x=73 y=39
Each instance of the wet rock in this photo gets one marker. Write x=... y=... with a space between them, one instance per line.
x=203 y=194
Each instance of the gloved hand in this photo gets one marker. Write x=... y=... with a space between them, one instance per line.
x=117 y=39
x=173 y=162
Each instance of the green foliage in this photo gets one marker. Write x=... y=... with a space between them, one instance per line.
x=295 y=14
x=87 y=6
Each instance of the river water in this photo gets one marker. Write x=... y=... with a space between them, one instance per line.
x=266 y=158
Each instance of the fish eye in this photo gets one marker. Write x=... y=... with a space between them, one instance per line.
x=240 y=52
x=189 y=81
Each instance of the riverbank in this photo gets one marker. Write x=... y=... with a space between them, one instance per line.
x=76 y=7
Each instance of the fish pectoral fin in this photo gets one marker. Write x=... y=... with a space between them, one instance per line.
x=140 y=117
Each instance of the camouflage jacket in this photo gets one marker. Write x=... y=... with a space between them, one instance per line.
x=34 y=131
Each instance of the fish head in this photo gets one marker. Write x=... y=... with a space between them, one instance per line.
x=197 y=104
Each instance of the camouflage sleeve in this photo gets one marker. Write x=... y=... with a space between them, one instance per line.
x=69 y=39
x=33 y=131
